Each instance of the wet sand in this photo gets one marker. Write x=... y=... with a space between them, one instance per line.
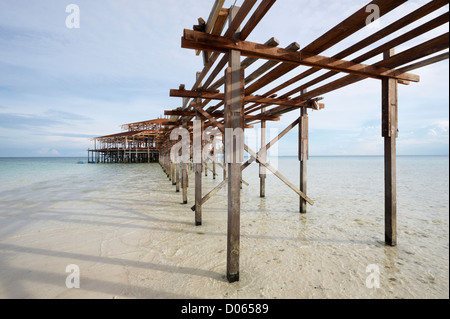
x=140 y=242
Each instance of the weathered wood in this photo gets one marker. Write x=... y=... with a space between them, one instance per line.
x=343 y=30
x=234 y=120
x=279 y=175
x=263 y=155
x=233 y=26
x=218 y=4
x=303 y=141
x=220 y=22
x=420 y=51
x=198 y=181
x=421 y=64
x=390 y=133
x=213 y=192
x=272 y=42
x=247 y=99
x=198 y=164
x=274 y=141
x=177 y=178
x=194 y=40
x=269 y=65
x=259 y=13
x=349 y=26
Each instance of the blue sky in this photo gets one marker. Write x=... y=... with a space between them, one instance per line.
x=59 y=86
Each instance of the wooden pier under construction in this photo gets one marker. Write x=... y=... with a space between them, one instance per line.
x=225 y=97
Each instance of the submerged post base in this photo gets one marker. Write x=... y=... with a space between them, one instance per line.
x=233 y=277
x=390 y=242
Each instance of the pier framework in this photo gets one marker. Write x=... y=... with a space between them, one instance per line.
x=226 y=96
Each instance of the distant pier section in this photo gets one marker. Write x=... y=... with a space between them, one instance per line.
x=138 y=143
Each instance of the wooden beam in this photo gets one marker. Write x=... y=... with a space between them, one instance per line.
x=218 y=4
x=421 y=64
x=259 y=13
x=269 y=65
x=220 y=22
x=248 y=98
x=420 y=51
x=272 y=42
x=278 y=174
x=349 y=26
x=194 y=40
x=243 y=12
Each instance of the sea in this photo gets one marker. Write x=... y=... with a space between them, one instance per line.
x=124 y=223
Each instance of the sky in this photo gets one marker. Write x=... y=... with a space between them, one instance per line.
x=61 y=86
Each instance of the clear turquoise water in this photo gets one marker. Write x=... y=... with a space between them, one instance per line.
x=56 y=205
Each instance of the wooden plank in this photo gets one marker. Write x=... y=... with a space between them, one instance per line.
x=420 y=51
x=390 y=132
x=198 y=165
x=272 y=42
x=217 y=7
x=269 y=65
x=247 y=99
x=275 y=140
x=233 y=26
x=216 y=23
x=410 y=18
x=421 y=64
x=331 y=39
x=236 y=21
x=198 y=183
x=349 y=26
x=220 y=22
x=278 y=174
x=257 y=16
x=218 y=4
x=209 y=117
x=212 y=192
x=194 y=40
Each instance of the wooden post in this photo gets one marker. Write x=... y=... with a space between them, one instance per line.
x=390 y=134
x=184 y=170
x=198 y=158
x=173 y=166
x=234 y=119
x=198 y=175
x=303 y=152
x=262 y=169
x=177 y=174
x=224 y=161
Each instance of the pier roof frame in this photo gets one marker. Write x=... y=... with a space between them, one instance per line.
x=216 y=45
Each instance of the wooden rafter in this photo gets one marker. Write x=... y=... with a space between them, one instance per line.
x=195 y=40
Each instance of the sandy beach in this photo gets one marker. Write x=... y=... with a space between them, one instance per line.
x=140 y=242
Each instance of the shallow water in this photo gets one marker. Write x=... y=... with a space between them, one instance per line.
x=125 y=227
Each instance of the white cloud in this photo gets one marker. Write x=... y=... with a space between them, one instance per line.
x=48 y=152
x=119 y=66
